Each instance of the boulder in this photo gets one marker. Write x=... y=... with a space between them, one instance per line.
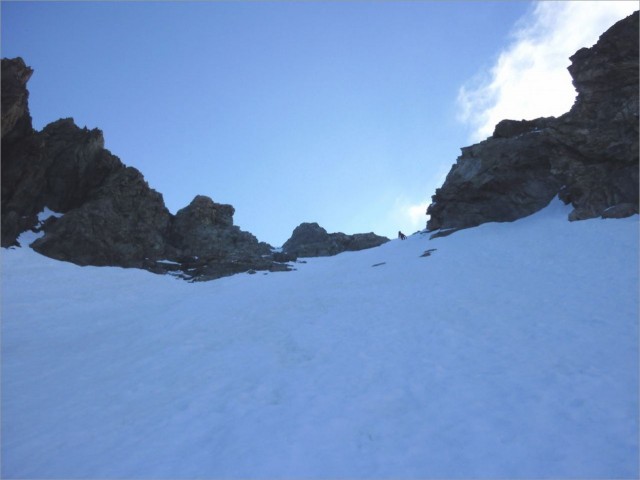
x=311 y=240
x=206 y=242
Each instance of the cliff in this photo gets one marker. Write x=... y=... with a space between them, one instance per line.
x=588 y=156
x=110 y=214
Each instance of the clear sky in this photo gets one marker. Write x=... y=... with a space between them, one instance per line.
x=348 y=114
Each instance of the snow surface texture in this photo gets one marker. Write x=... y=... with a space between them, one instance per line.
x=511 y=351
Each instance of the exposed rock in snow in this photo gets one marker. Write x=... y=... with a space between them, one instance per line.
x=311 y=240
x=111 y=215
x=589 y=156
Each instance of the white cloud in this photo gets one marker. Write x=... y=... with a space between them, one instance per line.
x=416 y=214
x=409 y=216
x=530 y=77
x=410 y=213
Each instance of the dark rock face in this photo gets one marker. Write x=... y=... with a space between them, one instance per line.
x=21 y=147
x=588 y=156
x=602 y=126
x=122 y=223
x=111 y=215
x=311 y=240
x=501 y=179
x=77 y=164
x=16 y=120
x=204 y=239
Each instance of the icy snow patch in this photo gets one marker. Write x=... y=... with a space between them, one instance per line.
x=29 y=236
x=47 y=213
x=168 y=262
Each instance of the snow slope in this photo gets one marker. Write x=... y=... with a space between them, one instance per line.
x=511 y=351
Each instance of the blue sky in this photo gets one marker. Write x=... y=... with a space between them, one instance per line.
x=348 y=114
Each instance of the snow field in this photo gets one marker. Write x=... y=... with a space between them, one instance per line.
x=511 y=351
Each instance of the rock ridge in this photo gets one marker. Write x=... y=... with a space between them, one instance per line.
x=588 y=156
x=311 y=240
x=110 y=215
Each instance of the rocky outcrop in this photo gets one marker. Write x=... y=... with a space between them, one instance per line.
x=77 y=164
x=60 y=167
x=110 y=214
x=123 y=223
x=588 y=157
x=23 y=172
x=311 y=240
x=207 y=244
x=16 y=120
